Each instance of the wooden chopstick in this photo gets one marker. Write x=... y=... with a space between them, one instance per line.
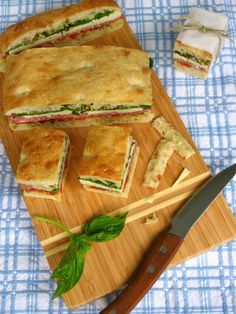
x=147 y=200
x=132 y=217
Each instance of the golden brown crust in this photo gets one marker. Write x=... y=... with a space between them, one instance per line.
x=46 y=19
x=40 y=157
x=57 y=196
x=2 y=64
x=105 y=152
x=81 y=38
x=35 y=78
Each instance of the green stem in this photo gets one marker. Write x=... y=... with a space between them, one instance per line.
x=53 y=222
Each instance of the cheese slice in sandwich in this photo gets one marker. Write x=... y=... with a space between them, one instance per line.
x=79 y=22
x=77 y=86
x=109 y=160
x=43 y=163
x=196 y=51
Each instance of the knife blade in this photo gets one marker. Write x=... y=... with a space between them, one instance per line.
x=164 y=247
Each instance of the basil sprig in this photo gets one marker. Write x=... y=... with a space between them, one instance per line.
x=151 y=63
x=101 y=229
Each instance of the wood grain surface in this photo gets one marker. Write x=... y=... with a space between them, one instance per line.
x=108 y=266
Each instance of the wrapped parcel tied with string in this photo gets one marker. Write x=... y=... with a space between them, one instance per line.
x=198 y=45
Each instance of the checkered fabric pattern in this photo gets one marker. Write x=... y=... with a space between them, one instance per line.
x=205 y=284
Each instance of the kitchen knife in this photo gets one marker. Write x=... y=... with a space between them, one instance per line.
x=164 y=248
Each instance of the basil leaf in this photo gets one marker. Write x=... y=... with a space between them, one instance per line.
x=56 y=223
x=99 y=15
x=151 y=63
x=45 y=33
x=73 y=274
x=55 y=189
x=105 y=183
x=81 y=109
x=69 y=256
x=15 y=47
x=83 y=247
x=75 y=248
x=71 y=267
x=104 y=228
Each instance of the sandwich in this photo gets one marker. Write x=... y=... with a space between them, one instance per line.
x=195 y=51
x=43 y=163
x=191 y=60
x=109 y=160
x=77 y=86
x=78 y=23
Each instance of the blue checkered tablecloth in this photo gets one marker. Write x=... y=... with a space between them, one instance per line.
x=205 y=284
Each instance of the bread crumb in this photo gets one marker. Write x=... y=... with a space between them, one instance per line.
x=152 y=219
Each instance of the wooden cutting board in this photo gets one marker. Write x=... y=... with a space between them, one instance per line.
x=109 y=265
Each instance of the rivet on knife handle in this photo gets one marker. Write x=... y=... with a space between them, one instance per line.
x=158 y=257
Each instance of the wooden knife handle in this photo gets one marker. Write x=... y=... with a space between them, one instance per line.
x=152 y=266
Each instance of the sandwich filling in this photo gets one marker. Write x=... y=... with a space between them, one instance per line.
x=192 y=57
x=72 y=112
x=190 y=60
x=57 y=186
x=68 y=27
x=103 y=184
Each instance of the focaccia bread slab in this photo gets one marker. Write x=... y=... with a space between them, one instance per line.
x=71 y=75
x=82 y=84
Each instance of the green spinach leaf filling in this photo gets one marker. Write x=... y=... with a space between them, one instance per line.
x=151 y=63
x=79 y=110
x=65 y=28
x=199 y=60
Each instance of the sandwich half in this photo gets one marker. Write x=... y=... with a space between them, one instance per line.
x=191 y=60
x=195 y=51
x=109 y=160
x=77 y=86
x=43 y=163
x=79 y=22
